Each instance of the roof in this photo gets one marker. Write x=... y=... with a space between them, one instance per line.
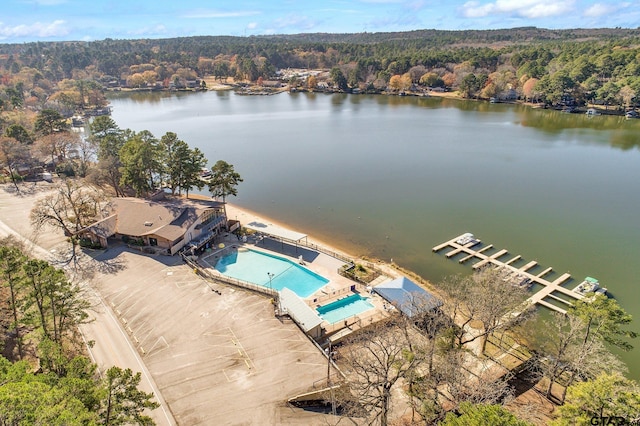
x=298 y=310
x=137 y=217
x=105 y=227
x=407 y=296
x=276 y=231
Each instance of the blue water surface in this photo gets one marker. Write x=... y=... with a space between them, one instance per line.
x=344 y=308
x=270 y=271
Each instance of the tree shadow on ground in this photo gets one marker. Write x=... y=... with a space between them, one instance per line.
x=111 y=262
x=26 y=189
x=523 y=381
x=84 y=264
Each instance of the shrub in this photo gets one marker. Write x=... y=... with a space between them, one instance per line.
x=87 y=243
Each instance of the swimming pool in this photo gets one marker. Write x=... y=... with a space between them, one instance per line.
x=257 y=267
x=344 y=308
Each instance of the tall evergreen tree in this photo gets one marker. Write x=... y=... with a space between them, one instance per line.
x=224 y=180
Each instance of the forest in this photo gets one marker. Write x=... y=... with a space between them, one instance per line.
x=554 y=67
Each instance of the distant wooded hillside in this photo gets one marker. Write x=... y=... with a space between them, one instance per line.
x=574 y=66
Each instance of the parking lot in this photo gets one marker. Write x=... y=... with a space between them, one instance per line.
x=216 y=358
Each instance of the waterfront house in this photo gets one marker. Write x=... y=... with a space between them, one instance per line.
x=165 y=224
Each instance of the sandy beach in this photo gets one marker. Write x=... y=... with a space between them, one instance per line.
x=247 y=216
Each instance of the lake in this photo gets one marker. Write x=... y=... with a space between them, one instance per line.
x=390 y=177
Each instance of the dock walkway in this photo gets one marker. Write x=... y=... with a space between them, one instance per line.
x=484 y=259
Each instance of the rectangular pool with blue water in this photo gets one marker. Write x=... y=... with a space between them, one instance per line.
x=344 y=308
x=268 y=270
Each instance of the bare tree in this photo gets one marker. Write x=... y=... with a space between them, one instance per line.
x=486 y=300
x=86 y=152
x=457 y=377
x=469 y=379
x=427 y=383
x=70 y=207
x=375 y=360
x=57 y=146
x=107 y=172
x=416 y=351
x=417 y=72
x=13 y=154
x=574 y=344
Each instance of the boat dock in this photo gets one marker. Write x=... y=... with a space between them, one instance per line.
x=551 y=290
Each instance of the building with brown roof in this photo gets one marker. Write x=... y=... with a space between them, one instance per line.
x=168 y=224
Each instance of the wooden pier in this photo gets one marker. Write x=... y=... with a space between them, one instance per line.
x=483 y=259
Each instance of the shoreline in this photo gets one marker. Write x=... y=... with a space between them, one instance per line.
x=247 y=215
x=256 y=90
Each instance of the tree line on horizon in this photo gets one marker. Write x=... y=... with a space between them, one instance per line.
x=549 y=66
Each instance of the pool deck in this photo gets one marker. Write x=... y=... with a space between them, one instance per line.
x=327 y=266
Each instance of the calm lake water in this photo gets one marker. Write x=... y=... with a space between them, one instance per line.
x=391 y=177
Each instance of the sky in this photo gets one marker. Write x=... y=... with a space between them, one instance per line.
x=55 y=20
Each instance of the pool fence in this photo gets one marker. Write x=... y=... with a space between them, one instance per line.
x=377 y=271
x=350 y=324
x=209 y=273
x=331 y=294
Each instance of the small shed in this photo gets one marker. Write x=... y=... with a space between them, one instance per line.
x=308 y=319
x=407 y=296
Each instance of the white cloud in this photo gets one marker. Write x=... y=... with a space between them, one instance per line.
x=473 y=9
x=518 y=8
x=56 y=28
x=209 y=14
x=298 y=22
x=598 y=10
x=382 y=1
x=46 y=2
x=149 y=31
x=252 y=25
